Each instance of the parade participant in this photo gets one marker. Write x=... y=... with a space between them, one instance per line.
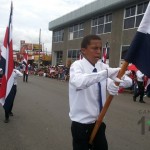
x=25 y=73
x=8 y=112
x=140 y=87
x=87 y=94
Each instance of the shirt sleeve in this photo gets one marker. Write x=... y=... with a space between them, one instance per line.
x=82 y=80
x=19 y=74
x=140 y=74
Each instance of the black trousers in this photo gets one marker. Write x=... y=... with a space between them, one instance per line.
x=140 y=91
x=81 y=135
x=13 y=95
x=25 y=77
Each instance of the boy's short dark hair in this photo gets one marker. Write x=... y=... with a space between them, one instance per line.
x=87 y=39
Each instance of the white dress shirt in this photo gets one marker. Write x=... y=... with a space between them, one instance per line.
x=140 y=76
x=83 y=90
x=16 y=74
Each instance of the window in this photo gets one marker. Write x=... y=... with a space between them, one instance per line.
x=58 y=36
x=59 y=56
x=124 y=51
x=101 y=24
x=76 y=31
x=73 y=54
x=133 y=15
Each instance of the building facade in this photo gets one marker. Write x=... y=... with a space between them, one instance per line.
x=115 y=21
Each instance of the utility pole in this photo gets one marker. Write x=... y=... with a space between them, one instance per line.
x=39 y=48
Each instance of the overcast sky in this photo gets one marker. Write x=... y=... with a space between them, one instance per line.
x=31 y=15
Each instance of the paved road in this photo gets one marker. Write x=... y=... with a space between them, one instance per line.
x=41 y=121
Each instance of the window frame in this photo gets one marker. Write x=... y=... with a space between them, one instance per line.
x=98 y=25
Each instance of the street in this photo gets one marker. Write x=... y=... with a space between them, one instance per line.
x=41 y=120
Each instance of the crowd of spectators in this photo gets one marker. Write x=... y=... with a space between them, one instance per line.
x=59 y=72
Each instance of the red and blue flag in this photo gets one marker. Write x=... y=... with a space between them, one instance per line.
x=7 y=65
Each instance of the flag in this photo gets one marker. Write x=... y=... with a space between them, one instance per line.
x=139 y=50
x=80 y=56
x=7 y=64
x=104 y=57
x=25 y=62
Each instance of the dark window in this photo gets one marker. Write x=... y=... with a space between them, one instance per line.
x=109 y=18
x=127 y=12
x=124 y=51
x=133 y=10
x=71 y=29
x=81 y=33
x=76 y=31
x=100 y=29
x=132 y=17
x=140 y=9
x=101 y=20
x=74 y=54
x=145 y=6
x=69 y=53
x=94 y=22
x=75 y=35
x=129 y=23
x=107 y=28
x=94 y=30
x=138 y=20
x=102 y=24
x=75 y=27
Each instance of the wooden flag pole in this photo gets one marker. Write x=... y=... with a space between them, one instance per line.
x=105 y=108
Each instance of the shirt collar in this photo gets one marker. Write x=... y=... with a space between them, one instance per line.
x=87 y=63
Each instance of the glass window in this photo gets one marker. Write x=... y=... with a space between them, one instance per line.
x=101 y=20
x=76 y=28
x=133 y=11
x=109 y=18
x=107 y=28
x=73 y=54
x=140 y=9
x=94 y=30
x=127 y=14
x=76 y=31
x=70 y=54
x=75 y=35
x=81 y=26
x=94 y=22
x=145 y=6
x=132 y=17
x=71 y=29
x=129 y=23
x=138 y=20
x=100 y=29
x=124 y=51
x=58 y=36
x=81 y=33
x=102 y=24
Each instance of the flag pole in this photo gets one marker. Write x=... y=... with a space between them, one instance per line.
x=39 y=48
x=105 y=108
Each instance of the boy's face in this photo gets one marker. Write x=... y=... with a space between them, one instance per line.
x=93 y=51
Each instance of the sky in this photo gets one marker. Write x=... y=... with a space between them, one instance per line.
x=29 y=16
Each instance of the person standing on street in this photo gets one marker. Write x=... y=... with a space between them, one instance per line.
x=25 y=73
x=89 y=78
x=9 y=105
x=140 y=87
